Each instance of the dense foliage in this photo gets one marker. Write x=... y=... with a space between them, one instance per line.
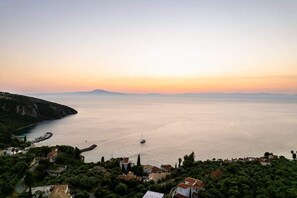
x=8 y=123
x=101 y=179
x=12 y=169
x=244 y=179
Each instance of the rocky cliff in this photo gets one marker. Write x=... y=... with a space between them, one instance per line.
x=34 y=108
x=18 y=111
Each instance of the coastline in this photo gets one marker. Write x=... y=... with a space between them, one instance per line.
x=18 y=130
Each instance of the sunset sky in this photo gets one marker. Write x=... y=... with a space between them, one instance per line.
x=164 y=46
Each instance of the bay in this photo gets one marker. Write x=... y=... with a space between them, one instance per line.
x=172 y=126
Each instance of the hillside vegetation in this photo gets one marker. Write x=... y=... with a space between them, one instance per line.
x=237 y=179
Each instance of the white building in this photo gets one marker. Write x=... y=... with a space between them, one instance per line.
x=188 y=189
x=125 y=162
x=12 y=151
x=151 y=194
x=147 y=169
x=44 y=191
x=51 y=191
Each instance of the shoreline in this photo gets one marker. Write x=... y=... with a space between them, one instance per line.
x=17 y=131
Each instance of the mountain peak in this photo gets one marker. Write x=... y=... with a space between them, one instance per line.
x=99 y=91
x=102 y=91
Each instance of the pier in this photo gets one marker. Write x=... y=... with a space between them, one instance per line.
x=88 y=148
x=46 y=136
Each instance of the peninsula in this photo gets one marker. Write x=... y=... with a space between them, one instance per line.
x=18 y=111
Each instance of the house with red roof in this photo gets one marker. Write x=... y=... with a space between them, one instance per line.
x=188 y=189
x=129 y=176
x=157 y=176
x=166 y=167
x=156 y=169
x=51 y=156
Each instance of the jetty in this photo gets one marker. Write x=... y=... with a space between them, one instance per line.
x=88 y=148
x=46 y=136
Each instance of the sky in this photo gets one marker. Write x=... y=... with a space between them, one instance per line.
x=140 y=46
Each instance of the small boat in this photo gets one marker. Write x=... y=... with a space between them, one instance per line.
x=142 y=141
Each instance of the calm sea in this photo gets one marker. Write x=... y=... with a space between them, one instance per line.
x=173 y=127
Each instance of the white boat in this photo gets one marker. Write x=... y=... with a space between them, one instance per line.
x=142 y=141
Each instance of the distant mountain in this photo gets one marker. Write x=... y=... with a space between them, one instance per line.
x=18 y=111
x=93 y=92
x=102 y=92
x=239 y=95
x=202 y=95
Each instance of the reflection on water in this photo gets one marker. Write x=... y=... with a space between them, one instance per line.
x=173 y=127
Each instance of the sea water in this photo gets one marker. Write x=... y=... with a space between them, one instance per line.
x=172 y=127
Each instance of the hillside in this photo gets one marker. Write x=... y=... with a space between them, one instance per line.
x=17 y=111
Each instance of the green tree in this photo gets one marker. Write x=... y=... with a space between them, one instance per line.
x=129 y=167
x=77 y=153
x=138 y=170
x=121 y=189
x=138 y=160
x=179 y=162
x=102 y=159
x=82 y=195
x=28 y=180
x=101 y=192
x=123 y=168
x=189 y=160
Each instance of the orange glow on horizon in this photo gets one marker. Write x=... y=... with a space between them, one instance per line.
x=276 y=84
x=166 y=85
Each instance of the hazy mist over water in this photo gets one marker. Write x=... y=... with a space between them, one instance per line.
x=173 y=127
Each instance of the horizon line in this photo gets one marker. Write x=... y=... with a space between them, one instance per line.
x=106 y=91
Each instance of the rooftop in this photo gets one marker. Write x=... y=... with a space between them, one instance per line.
x=183 y=185
x=60 y=191
x=151 y=194
x=125 y=160
x=129 y=176
x=157 y=176
x=194 y=182
x=53 y=153
x=156 y=169
x=167 y=167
